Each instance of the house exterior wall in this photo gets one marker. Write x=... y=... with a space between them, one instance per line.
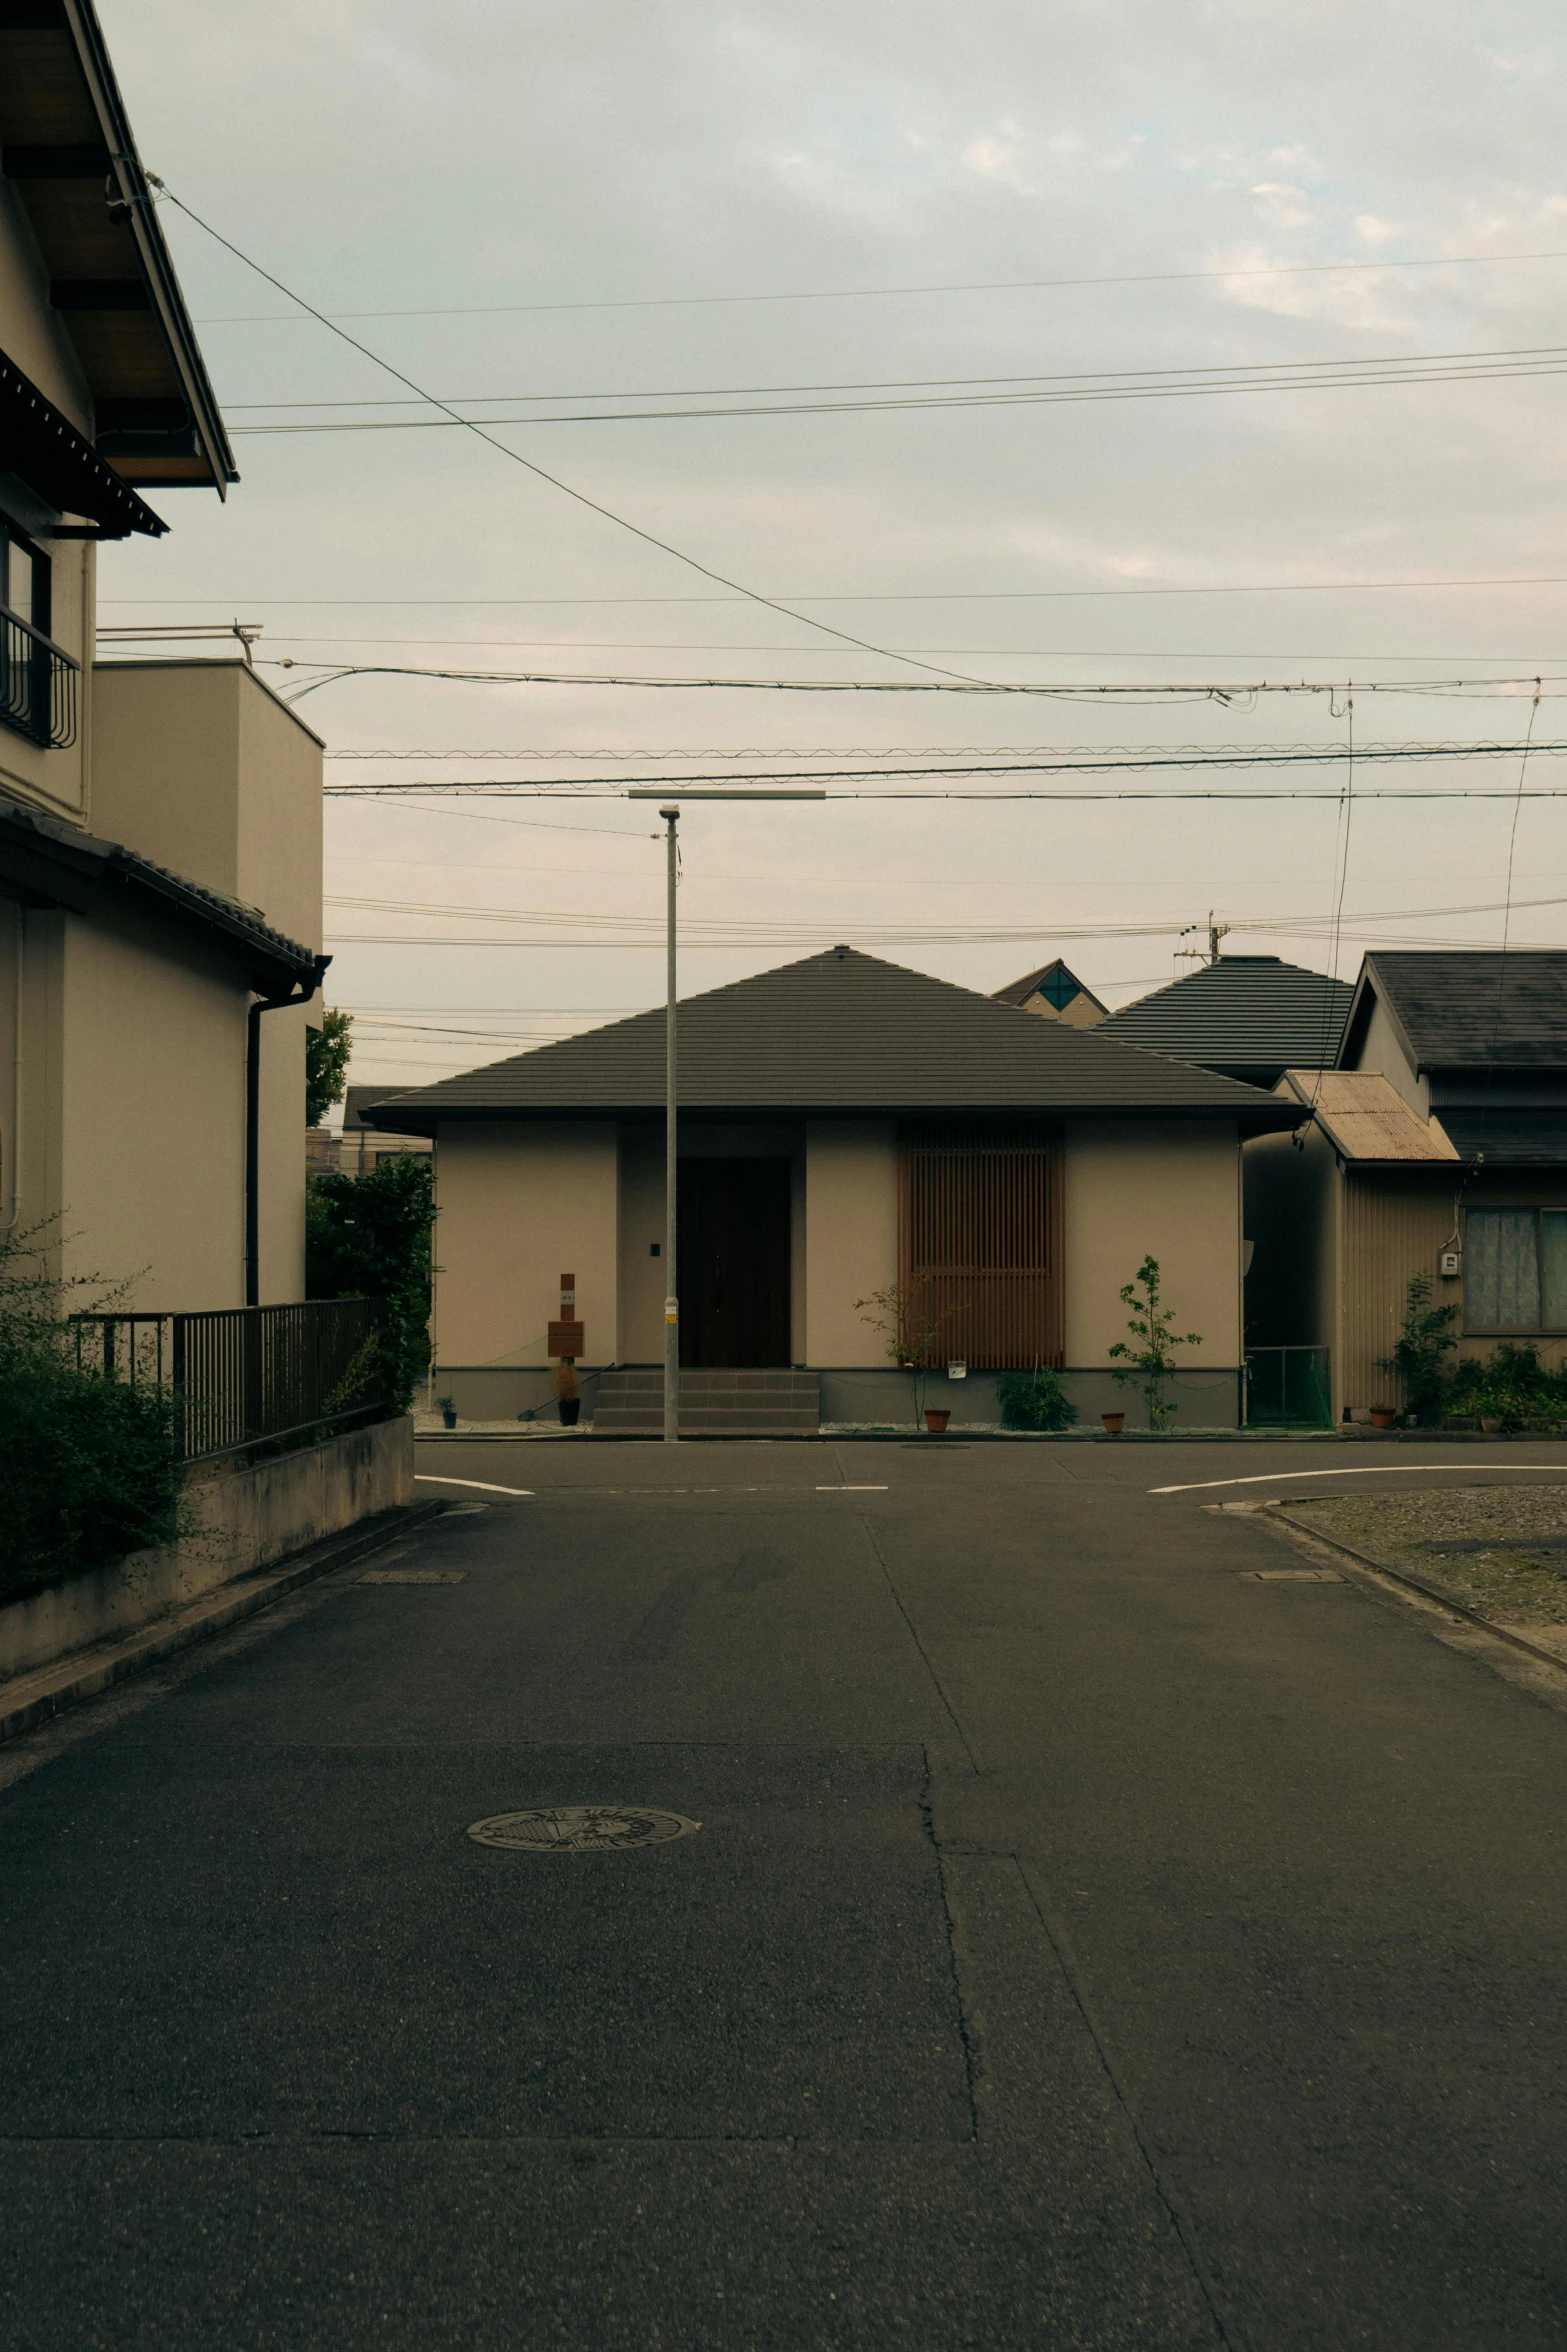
x=1380 y=1050
x=851 y=1235
x=516 y=1206
x=198 y=766
x=1171 y=1190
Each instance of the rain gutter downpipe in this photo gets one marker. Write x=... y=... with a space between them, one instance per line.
x=300 y=995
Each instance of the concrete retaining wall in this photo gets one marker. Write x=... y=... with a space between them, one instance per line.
x=246 y=1520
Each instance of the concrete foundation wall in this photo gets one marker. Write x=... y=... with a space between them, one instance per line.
x=246 y=1520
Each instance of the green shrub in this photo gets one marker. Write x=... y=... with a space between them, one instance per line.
x=1419 y=1355
x=1034 y=1400
x=1514 y=1387
x=369 y=1237
x=89 y=1467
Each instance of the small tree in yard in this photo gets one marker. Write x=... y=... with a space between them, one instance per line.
x=902 y=1314
x=1150 y=1366
x=369 y=1237
x=1418 y=1358
x=326 y=1064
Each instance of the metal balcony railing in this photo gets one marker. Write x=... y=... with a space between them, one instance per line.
x=248 y=1376
x=37 y=684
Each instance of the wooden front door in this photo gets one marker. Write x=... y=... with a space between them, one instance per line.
x=733 y=1270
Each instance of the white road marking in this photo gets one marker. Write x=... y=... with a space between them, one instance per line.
x=851 y=1490
x=1358 y=1470
x=426 y=1478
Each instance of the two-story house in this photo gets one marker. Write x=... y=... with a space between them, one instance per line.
x=160 y=823
x=1437 y=1146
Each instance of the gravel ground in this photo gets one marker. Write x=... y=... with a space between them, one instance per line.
x=1521 y=1587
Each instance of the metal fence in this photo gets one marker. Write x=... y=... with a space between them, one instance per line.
x=247 y=1376
x=1289 y=1388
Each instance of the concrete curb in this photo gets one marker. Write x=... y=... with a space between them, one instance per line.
x=1427 y=1592
x=31 y=1699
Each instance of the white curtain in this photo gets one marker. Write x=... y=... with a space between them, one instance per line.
x=1502 y=1270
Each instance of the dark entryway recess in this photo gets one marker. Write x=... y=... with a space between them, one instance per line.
x=733 y=1269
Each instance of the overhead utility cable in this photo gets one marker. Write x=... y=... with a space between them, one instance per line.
x=580 y=496
x=1296 y=269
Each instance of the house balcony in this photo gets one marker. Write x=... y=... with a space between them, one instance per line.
x=38 y=685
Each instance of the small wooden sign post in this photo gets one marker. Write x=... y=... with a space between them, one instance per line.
x=566 y=1336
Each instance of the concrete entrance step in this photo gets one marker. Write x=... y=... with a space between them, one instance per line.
x=713 y=1403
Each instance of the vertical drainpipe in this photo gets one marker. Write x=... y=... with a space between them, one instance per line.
x=266 y=1004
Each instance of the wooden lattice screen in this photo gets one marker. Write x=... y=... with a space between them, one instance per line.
x=980 y=1224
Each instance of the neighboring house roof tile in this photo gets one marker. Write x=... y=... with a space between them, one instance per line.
x=840 y=1031
x=1364 y=1116
x=1508 y=1137
x=1241 y=1013
x=1462 y=1007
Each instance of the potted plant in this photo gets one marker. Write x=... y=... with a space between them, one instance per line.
x=448 y=1411
x=1149 y=1366
x=1383 y=1416
x=568 y=1395
x=1114 y=1423
x=936 y=1418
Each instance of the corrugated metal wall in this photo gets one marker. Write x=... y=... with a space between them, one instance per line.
x=1393 y=1227
x=979 y=1224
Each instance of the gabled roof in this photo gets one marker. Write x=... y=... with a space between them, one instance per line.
x=1054 y=981
x=838 y=1032
x=1252 y=1013
x=67 y=146
x=1467 y=1007
x=1364 y=1116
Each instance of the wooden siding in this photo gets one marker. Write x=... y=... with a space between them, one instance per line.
x=980 y=1244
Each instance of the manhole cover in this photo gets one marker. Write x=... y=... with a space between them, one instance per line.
x=581 y=1829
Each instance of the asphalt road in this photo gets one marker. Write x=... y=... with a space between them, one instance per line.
x=1086 y=1943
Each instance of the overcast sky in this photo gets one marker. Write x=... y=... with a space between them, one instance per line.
x=468 y=164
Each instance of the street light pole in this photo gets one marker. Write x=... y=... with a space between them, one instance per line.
x=670 y=812
x=671 y=817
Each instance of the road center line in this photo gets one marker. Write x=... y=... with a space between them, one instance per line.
x=428 y=1478
x=851 y=1490
x=1362 y=1470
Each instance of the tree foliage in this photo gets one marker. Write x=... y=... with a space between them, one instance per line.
x=1150 y=1366
x=90 y=1466
x=326 y=1063
x=1419 y=1356
x=369 y=1237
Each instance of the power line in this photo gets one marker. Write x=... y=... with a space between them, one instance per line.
x=1348 y=376
x=869 y=596
x=1064 y=690
x=580 y=496
x=1406 y=359
x=172 y=632
x=1297 y=269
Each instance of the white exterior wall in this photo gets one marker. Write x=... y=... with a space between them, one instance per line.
x=516 y=1206
x=851 y=1235
x=1139 y=1188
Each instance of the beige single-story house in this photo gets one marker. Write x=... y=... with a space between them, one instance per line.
x=1437 y=1147
x=847 y=1128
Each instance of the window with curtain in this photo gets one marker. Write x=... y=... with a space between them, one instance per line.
x=1515 y=1270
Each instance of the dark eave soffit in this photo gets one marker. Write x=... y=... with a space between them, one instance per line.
x=67 y=145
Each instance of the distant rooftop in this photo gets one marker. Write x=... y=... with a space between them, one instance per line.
x=1249 y=1016
x=1469 y=1007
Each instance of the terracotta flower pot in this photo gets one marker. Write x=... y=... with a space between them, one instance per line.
x=1114 y=1423
x=570 y=1407
x=1490 y=1424
x=936 y=1419
x=1382 y=1416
